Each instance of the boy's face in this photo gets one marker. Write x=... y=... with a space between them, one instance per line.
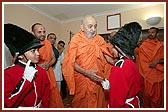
x=114 y=52
x=60 y=46
x=32 y=55
x=52 y=39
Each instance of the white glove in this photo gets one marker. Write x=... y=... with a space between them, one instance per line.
x=106 y=84
x=29 y=71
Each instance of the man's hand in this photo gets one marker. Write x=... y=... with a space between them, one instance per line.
x=45 y=65
x=92 y=74
x=153 y=64
x=110 y=60
x=29 y=71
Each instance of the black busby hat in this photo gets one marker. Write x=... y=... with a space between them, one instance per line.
x=19 y=40
x=127 y=37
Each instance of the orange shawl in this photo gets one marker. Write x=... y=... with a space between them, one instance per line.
x=88 y=53
x=149 y=51
x=46 y=56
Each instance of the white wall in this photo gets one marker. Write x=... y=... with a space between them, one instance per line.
x=24 y=16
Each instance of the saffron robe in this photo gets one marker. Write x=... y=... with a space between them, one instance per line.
x=46 y=56
x=88 y=53
x=125 y=83
x=149 y=51
x=20 y=92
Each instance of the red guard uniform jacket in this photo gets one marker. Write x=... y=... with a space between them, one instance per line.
x=125 y=83
x=19 y=92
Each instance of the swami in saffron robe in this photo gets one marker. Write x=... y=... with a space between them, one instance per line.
x=46 y=56
x=88 y=53
x=149 y=51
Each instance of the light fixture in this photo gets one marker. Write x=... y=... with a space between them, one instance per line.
x=153 y=21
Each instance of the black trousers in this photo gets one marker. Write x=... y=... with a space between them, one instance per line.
x=63 y=88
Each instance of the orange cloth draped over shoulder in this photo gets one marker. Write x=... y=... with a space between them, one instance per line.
x=149 y=51
x=46 y=56
x=88 y=53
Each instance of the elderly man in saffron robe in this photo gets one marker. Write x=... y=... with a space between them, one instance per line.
x=84 y=66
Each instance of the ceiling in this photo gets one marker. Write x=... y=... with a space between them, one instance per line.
x=73 y=11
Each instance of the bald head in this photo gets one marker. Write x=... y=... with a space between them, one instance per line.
x=88 y=18
x=89 y=26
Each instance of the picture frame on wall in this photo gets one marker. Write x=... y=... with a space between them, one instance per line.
x=113 y=21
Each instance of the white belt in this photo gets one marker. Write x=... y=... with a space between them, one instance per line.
x=130 y=99
x=37 y=106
